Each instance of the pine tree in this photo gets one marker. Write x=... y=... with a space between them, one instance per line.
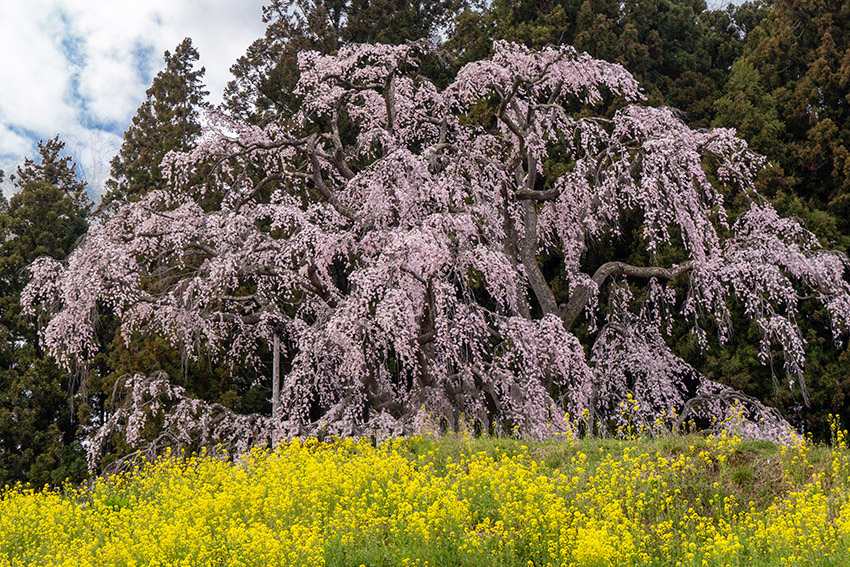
x=168 y=120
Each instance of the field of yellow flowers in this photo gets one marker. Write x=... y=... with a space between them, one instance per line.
x=689 y=501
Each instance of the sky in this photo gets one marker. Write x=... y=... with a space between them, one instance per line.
x=80 y=68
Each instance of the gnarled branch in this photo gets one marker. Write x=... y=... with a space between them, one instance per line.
x=579 y=298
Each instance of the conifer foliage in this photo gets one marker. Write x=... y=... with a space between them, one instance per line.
x=54 y=169
x=265 y=77
x=45 y=218
x=168 y=120
x=391 y=230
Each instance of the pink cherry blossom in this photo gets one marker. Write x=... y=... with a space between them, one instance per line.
x=394 y=244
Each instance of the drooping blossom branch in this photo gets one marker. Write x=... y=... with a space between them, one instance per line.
x=398 y=241
x=188 y=422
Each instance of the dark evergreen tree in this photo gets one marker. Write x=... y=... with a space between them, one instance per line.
x=788 y=95
x=680 y=52
x=55 y=169
x=169 y=119
x=38 y=428
x=791 y=97
x=265 y=76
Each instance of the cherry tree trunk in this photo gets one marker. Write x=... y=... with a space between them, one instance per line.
x=276 y=380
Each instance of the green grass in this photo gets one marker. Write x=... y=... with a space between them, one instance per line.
x=667 y=502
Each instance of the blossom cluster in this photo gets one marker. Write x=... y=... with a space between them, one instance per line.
x=391 y=241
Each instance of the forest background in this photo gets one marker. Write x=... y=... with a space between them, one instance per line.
x=778 y=72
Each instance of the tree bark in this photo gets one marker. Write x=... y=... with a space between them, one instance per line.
x=611 y=269
x=528 y=254
x=276 y=382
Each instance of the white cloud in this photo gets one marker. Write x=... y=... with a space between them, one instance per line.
x=12 y=142
x=33 y=70
x=80 y=68
x=92 y=151
x=115 y=32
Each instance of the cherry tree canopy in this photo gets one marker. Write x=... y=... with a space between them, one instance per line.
x=390 y=232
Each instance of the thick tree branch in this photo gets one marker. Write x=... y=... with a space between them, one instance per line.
x=511 y=247
x=349 y=85
x=389 y=101
x=319 y=287
x=528 y=254
x=579 y=298
x=338 y=158
x=203 y=247
x=257 y=188
x=501 y=114
x=319 y=182
x=277 y=144
x=532 y=195
x=614 y=269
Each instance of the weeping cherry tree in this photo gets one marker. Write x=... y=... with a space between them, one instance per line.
x=392 y=233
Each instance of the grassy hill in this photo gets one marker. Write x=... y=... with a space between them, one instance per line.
x=691 y=500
